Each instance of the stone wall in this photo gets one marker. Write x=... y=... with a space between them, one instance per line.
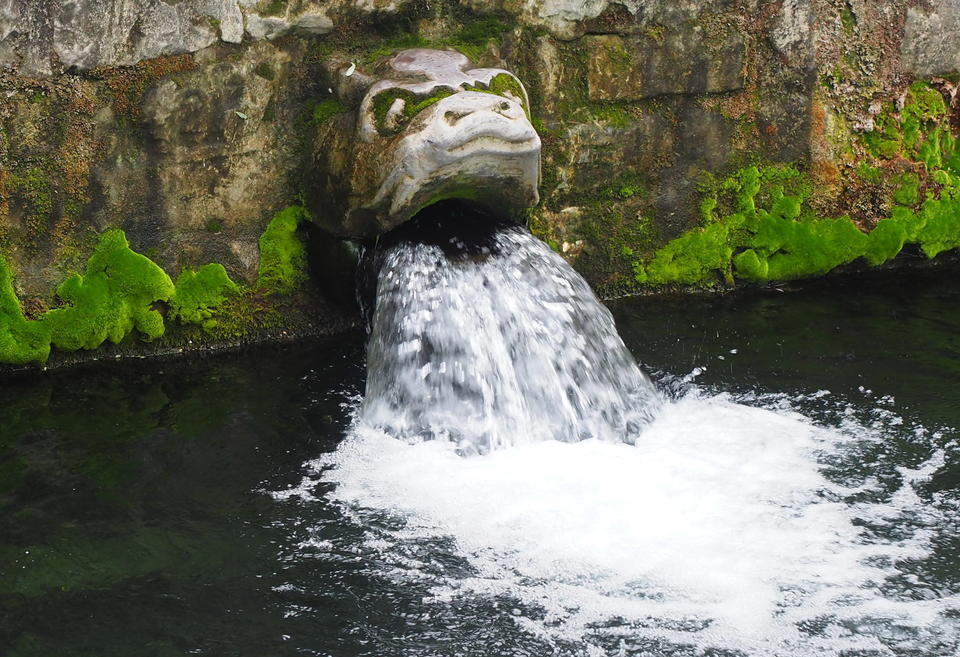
x=188 y=124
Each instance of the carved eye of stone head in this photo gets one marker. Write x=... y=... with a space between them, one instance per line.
x=388 y=109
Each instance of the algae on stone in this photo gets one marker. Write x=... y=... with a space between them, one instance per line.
x=197 y=294
x=283 y=256
x=21 y=341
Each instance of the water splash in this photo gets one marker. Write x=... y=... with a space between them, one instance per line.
x=497 y=344
x=735 y=526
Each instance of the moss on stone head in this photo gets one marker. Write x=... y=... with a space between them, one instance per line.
x=283 y=255
x=507 y=86
x=325 y=110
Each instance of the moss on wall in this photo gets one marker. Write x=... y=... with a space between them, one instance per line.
x=112 y=298
x=476 y=33
x=325 y=110
x=618 y=175
x=21 y=341
x=760 y=225
x=283 y=256
x=122 y=292
x=115 y=296
x=199 y=293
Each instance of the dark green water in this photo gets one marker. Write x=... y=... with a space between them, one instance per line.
x=133 y=518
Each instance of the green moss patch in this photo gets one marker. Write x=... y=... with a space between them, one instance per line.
x=122 y=291
x=266 y=71
x=325 y=110
x=283 y=256
x=112 y=298
x=507 y=86
x=760 y=227
x=21 y=341
x=272 y=7
x=780 y=239
x=915 y=132
x=413 y=104
x=34 y=190
x=197 y=294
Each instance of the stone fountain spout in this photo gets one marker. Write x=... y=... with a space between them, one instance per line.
x=426 y=126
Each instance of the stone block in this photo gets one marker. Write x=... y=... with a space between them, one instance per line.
x=676 y=62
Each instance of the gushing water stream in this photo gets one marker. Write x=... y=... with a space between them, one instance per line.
x=497 y=344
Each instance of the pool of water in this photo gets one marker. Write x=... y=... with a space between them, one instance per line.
x=797 y=496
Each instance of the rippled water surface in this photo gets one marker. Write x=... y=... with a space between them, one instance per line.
x=797 y=495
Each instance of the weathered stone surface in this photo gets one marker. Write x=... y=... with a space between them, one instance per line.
x=792 y=34
x=42 y=37
x=636 y=102
x=562 y=17
x=216 y=159
x=931 y=42
x=271 y=27
x=678 y=61
x=38 y=37
x=598 y=153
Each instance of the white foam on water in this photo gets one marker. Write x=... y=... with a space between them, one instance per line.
x=717 y=530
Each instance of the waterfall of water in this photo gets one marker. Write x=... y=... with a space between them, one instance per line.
x=495 y=342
